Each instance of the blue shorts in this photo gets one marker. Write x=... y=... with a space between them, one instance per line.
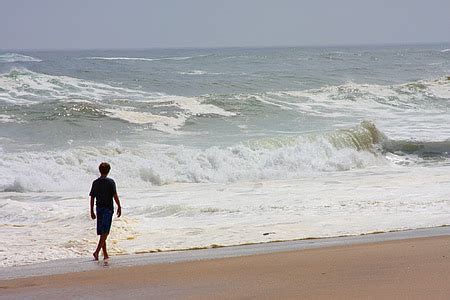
x=104 y=220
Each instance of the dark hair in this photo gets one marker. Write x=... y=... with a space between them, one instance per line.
x=104 y=168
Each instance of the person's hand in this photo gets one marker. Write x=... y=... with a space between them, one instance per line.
x=92 y=215
x=119 y=211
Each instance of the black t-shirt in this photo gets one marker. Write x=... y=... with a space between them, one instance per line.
x=103 y=189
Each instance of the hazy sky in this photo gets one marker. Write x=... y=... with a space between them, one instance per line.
x=64 y=24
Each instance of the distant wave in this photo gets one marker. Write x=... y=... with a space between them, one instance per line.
x=199 y=72
x=15 y=57
x=142 y=58
x=194 y=72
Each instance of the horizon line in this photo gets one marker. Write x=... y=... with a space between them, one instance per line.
x=233 y=47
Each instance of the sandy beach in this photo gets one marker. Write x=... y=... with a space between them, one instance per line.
x=414 y=268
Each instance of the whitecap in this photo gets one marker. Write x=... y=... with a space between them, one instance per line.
x=143 y=58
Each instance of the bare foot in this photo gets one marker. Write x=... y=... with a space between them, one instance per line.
x=95 y=256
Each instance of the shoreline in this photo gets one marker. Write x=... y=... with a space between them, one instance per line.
x=399 y=267
x=84 y=264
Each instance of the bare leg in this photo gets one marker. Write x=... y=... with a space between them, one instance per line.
x=101 y=241
x=105 y=253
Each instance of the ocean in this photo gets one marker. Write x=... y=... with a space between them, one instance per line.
x=217 y=147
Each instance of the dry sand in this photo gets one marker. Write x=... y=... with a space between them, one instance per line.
x=416 y=268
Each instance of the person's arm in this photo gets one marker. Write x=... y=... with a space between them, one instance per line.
x=92 y=208
x=119 y=208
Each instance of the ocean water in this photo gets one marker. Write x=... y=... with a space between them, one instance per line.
x=221 y=146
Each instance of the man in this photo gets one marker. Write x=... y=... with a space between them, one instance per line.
x=104 y=190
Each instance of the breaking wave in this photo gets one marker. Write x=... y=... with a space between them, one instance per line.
x=275 y=158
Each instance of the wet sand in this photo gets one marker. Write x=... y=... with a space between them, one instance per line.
x=410 y=268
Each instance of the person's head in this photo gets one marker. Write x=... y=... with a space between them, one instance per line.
x=104 y=168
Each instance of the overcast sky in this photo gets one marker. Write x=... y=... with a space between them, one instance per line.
x=85 y=24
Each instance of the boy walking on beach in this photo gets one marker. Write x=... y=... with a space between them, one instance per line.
x=104 y=190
